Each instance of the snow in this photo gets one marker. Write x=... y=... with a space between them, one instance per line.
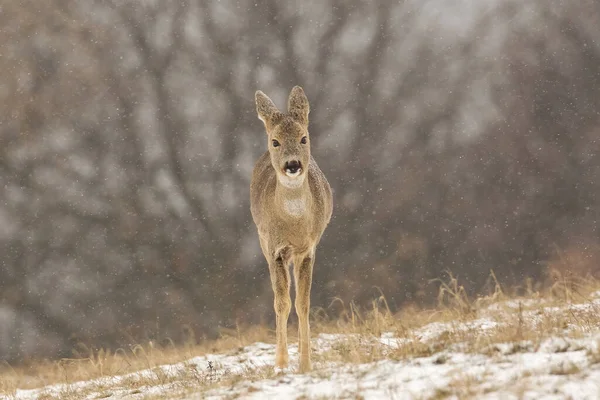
x=558 y=367
x=529 y=375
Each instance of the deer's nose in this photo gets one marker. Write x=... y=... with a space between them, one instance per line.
x=292 y=166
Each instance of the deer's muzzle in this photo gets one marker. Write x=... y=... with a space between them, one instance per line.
x=292 y=167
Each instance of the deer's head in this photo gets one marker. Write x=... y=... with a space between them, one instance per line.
x=287 y=136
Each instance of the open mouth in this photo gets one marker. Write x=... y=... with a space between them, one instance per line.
x=293 y=168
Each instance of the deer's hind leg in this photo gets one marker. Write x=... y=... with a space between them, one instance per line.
x=303 y=268
x=280 y=280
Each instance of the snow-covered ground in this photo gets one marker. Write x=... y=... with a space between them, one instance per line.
x=559 y=366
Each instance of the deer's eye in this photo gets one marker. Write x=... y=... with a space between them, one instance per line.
x=303 y=140
x=275 y=143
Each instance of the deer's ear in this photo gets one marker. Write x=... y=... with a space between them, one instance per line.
x=298 y=106
x=267 y=111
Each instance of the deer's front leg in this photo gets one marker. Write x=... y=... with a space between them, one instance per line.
x=303 y=273
x=280 y=279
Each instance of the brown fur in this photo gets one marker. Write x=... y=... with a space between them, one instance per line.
x=290 y=213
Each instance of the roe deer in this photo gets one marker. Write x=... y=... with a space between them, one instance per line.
x=291 y=205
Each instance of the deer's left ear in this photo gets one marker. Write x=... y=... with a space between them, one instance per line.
x=298 y=106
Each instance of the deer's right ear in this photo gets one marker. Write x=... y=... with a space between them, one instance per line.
x=266 y=109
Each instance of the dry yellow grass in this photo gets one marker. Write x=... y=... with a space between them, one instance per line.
x=92 y=364
x=530 y=318
x=523 y=321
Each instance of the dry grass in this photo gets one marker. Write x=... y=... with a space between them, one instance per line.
x=90 y=364
x=522 y=322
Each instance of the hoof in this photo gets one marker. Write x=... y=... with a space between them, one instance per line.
x=282 y=371
x=305 y=367
x=282 y=361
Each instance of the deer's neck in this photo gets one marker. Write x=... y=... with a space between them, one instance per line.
x=293 y=200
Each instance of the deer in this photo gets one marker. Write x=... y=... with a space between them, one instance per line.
x=291 y=204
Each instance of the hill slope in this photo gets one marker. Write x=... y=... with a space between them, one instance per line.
x=528 y=348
